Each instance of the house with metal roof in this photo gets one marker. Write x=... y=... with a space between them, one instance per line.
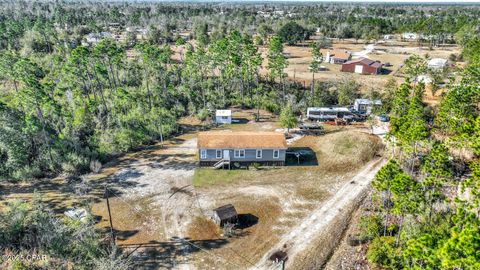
x=224 y=149
x=335 y=56
x=362 y=66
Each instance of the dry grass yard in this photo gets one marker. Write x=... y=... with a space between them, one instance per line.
x=161 y=201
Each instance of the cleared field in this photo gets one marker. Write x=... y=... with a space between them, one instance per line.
x=395 y=53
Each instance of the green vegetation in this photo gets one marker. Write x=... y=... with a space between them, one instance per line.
x=425 y=227
x=292 y=33
x=208 y=177
x=82 y=82
x=59 y=242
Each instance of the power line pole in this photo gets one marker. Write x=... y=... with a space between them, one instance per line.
x=112 y=233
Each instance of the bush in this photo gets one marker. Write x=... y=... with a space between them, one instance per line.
x=370 y=227
x=75 y=164
x=202 y=114
x=382 y=252
x=28 y=172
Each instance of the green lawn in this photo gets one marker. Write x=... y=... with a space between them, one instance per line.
x=208 y=176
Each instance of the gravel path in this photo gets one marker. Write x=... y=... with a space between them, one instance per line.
x=299 y=237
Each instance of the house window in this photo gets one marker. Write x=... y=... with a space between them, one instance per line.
x=225 y=117
x=276 y=153
x=240 y=153
x=259 y=153
x=219 y=153
x=203 y=154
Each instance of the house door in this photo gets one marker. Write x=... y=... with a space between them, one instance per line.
x=359 y=69
x=226 y=154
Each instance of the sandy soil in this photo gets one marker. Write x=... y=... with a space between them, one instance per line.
x=299 y=237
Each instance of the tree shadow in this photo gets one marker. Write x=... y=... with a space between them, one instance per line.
x=246 y=221
x=168 y=254
x=240 y=120
x=301 y=156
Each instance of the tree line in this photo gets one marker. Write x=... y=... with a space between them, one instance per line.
x=425 y=212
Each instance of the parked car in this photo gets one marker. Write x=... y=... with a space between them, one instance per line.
x=383 y=118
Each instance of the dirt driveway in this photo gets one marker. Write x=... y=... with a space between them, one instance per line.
x=153 y=201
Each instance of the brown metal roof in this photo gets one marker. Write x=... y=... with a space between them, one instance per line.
x=365 y=61
x=241 y=139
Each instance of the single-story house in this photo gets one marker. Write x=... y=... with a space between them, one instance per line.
x=365 y=106
x=221 y=148
x=388 y=37
x=335 y=56
x=329 y=113
x=437 y=63
x=226 y=214
x=362 y=66
x=409 y=36
x=223 y=117
x=424 y=79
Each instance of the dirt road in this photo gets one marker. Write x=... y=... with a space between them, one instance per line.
x=300 y=237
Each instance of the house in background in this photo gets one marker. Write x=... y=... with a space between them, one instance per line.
x=362 y=66
x=222 y=149
x=94 y=38
x=226 y=214
x=423 y=78
x=335 y=56
x=388 y=37
x=410 y=36
x=223 y=116
x=437 y=63
x=365 y=106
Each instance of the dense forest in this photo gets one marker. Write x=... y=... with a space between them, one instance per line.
x=65 y=107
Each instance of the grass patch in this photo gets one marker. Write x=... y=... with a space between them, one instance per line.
x=206 y=176
x=202 y=228
x=311 y=193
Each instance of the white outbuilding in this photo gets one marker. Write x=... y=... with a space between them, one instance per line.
x=437 y=63
x=223 y=116
x=365 y=106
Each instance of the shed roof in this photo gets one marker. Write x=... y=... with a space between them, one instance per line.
x=336 y=53
x=241 y=139
x=437 y=62
x=367 y=101
x=226 y=212
x=365 y=61
x=223 y=113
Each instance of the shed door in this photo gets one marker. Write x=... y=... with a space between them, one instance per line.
x=226 y=154
x=359 y=69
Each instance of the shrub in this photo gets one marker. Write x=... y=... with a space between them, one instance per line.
x=202 y=114
x=382 y=252
x=370 y=227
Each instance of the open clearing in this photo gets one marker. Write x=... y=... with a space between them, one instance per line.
x=395 y=53
x=160 y=200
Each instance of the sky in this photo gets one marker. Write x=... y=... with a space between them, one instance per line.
x=360 y=1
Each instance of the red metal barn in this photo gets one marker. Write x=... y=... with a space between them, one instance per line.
x=362 y=66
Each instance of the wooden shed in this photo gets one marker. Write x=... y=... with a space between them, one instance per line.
x=225 y=214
